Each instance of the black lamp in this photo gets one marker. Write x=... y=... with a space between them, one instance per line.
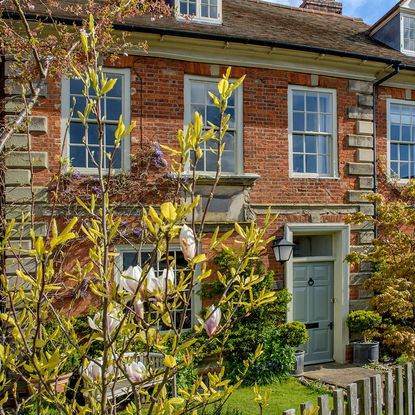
x=283 y=250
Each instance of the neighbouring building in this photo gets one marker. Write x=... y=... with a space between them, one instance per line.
x=325 y=97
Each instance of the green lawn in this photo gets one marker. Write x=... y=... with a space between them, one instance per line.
x=284 y=396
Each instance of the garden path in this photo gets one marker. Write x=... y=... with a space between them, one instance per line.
x=337 y=375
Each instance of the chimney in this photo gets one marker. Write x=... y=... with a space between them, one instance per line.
x=330 y=6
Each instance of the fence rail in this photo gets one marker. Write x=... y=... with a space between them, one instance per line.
x=391 y=393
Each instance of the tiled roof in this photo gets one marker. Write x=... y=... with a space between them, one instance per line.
x=254 y=21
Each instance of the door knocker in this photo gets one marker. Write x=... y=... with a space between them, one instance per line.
x=310 y=282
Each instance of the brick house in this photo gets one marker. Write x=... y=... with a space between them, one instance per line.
x=325 y=96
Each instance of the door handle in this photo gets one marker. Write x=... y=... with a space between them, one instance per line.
x=331 y=326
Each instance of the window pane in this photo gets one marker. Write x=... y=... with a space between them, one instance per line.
x=298 y=144
x=114 y=109
x=323 y=145
x=79 y=106
x=323 y=164
x=76 y=132
x=311 y=163
x=77 y=156
x=311 y=144
x=404 y=152
x=325 y=104
x=298 y=163
x=211 y=161
x=325 y=123
x=311 y=104
x=117 y=90
x=183 y=7
x=110 y=134
x=198 y=93
x=313 y=245
x=116 y=161
x=312 y=122
x=92 y=133
x=228 y=161
x=298 y=101
x=213 y=12
x=192 y=8
x=298 y=121
x=205 y=11
x=395 y=132
x=229 y=140
x=406 y=133
x=394 y=151
x=201 y=110
x=404 y=170
x=76 y=86
x=394 y=169
x=213 y=115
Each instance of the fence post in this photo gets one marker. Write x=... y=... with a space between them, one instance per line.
x=377 y=398
x=408 y=389
x=389 y=392
x=363 y=392
x=338 y=402
x=304 y=406
x=323 y=405
x=399 y=410
x=352 y=402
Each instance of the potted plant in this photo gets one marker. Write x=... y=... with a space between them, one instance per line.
x=364 y=322
x=294 y=334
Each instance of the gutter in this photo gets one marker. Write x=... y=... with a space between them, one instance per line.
x=396 y=70
x=215 y=37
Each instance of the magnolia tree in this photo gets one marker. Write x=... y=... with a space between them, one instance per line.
x=140 y=311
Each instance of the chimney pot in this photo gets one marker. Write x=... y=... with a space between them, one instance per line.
x=330 y=6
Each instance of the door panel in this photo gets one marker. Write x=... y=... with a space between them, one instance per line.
x=312 y=305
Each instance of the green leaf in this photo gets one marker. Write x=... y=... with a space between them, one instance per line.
x=169 y=361
x=168 y=211
x=120 y=129
x=223 y=86
x=108 y=86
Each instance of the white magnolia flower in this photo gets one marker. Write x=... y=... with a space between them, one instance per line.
x=213 y=321
x=113 y=320
x=187 y=243
x=158 y=284
x=136 y=372
x=93 y=371
x=139 y=308
x=130 y=279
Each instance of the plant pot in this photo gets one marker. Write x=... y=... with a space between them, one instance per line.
x=299 y=363
x=365 y=352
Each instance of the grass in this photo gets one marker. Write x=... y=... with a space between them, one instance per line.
x=285 y=395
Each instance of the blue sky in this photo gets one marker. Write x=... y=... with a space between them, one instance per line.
x=369 y=10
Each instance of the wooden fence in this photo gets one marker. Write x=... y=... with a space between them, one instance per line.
x=391 y=393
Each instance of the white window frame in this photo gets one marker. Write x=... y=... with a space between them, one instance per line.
x=198 y=18
x=196 y=300
x=334 y=170
x=188 y=118
x=389 y=102
x=126 y=113
x=411 y=14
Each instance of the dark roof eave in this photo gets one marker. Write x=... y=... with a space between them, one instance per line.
x=223 y=38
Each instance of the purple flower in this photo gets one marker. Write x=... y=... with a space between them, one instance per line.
x=213 y=320
x=157 y=157
x=137 y=232
x=96 y=190
x=76 y=175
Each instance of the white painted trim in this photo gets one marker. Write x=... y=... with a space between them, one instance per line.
x=389 y=102
x=188 y=117
x=341 y=245
x=126 y=113
x=196 y=300
x=198 y=18
x=410 y=14
x=334 y=151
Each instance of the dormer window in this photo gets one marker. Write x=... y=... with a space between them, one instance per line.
x=201 y=11
x=408 y=26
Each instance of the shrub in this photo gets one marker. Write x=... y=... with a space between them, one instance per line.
x=293 y=334
x=259 y=327
x=364 y=322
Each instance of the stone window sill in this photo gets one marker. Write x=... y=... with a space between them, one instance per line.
x=246 y=179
